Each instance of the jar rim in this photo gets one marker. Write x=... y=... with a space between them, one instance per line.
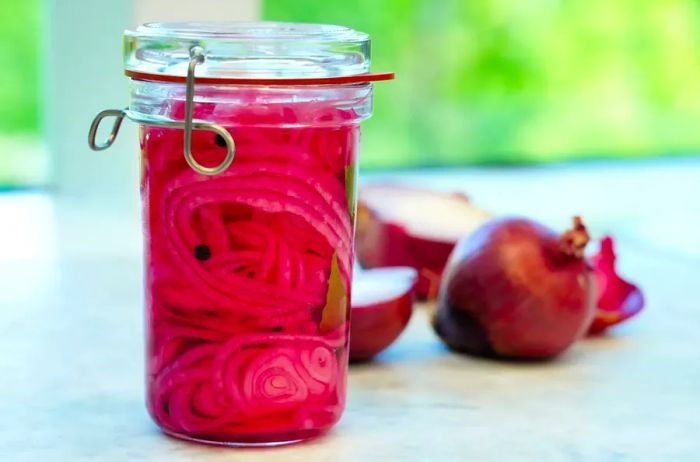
x=247 y=50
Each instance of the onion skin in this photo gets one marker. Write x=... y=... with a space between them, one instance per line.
x=618 y=299
x=516 y=289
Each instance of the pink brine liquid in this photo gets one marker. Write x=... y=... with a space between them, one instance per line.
x=248 y=272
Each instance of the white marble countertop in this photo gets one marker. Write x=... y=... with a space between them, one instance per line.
x=71 y=345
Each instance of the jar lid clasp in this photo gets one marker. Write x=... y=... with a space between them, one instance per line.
x=197 y=56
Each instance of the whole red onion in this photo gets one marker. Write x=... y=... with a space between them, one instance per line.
x=516 y=289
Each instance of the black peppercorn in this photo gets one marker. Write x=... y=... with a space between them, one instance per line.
x=202 y=252
x=219 y=141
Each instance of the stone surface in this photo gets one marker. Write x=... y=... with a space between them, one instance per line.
x=71 y=339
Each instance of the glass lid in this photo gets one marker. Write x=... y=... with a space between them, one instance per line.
x=247 y=50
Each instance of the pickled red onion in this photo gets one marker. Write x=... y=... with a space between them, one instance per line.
x=239 y=270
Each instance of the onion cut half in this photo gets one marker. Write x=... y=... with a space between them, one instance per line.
x=382 y=304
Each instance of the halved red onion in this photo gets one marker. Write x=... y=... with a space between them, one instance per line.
x=399 y=225
x=382 y=303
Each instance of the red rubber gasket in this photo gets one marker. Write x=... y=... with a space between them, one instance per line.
x=358 y=78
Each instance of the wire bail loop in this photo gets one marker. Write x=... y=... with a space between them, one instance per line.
x=197 y=56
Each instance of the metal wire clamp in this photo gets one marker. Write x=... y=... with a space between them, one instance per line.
x=197 y=56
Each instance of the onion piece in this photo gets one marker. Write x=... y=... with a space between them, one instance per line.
x=382 y=303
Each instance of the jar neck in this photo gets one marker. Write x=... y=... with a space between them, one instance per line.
x=277 y=105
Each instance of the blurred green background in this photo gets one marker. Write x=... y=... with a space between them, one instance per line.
x=502 y=81
x=19 y=42
x=478 y=82
x=22 y=157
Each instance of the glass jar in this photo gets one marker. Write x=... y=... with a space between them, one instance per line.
x=249 y=139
